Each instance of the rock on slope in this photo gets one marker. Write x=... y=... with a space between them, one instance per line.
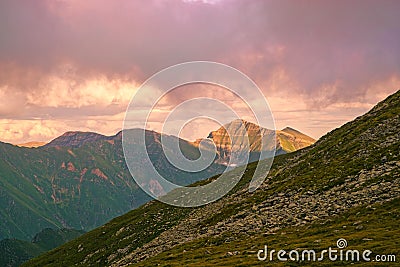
x=352 y=171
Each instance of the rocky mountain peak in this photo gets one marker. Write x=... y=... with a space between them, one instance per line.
x=286 y=140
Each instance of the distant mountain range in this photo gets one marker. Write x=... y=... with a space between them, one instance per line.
x=80 y=179
x=347 y=185
x=77 y=181
x=287 y=139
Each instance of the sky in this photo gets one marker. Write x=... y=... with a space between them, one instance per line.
x=74 y=65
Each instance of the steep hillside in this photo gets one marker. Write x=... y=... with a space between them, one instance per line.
x=347 y=185
x=14 y=252
x=76 y=187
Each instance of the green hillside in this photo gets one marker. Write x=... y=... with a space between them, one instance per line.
x=14 y=252
x=347 y=185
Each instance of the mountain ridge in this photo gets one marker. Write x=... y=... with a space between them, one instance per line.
x=76 y=139
x=79 y=138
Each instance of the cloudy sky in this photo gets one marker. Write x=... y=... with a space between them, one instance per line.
x=74 y=65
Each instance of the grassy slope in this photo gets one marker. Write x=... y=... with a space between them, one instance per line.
x=337 y=157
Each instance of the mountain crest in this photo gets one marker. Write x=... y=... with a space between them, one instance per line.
x=75 y=139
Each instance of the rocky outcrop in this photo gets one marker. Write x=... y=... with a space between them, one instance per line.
x=241 y=137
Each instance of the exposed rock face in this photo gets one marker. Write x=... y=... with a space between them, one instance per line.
x=241 y=136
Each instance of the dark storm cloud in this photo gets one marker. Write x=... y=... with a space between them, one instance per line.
x=323 y=41
x=349 y=44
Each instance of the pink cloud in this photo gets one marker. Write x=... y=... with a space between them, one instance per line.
x=80 y=58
